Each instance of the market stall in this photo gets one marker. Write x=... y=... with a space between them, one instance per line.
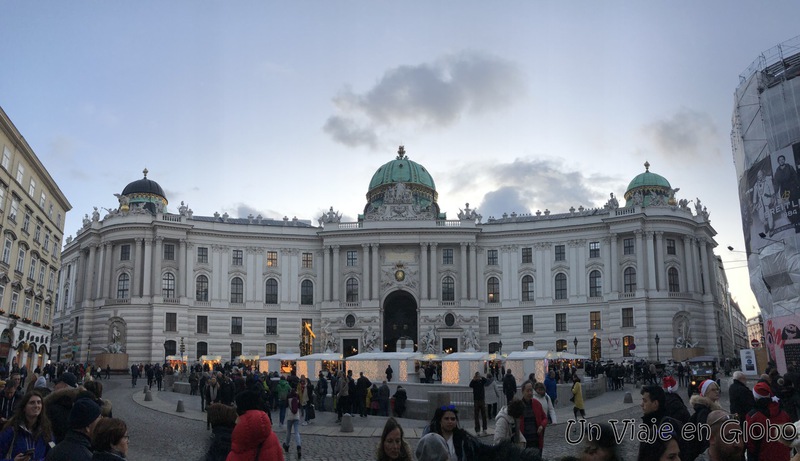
x=523 y=363
x=374 y=365
x=310 y=365
x=282 y=363
x=210 y=360
x=459 y=367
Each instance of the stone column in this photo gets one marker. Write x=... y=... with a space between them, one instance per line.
x=188 y=273
x=473 y=264
x=434 y=291
x=137 y=280
x=375 y=274
x=181 y=278
x=104 y=270
x=335 y=281
x=707 y=278
x=513 y=258
x=688 y=255
x=547 y=274
x=463 y=278
x=365 y=271
x=574 y=270
x=158 y=255
x=661 y=262
x=481 y=270
x=90 y=267
x=639 y=259
x=613 y=271
x=605 y=253
x=326 y=273
x=651 y=262
x=580 y=271
x=423 y=271
x=538 y=261
x=148 y=257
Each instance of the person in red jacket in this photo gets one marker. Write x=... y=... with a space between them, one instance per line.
x=766 y=411
x=253 y=437
x=534 y=420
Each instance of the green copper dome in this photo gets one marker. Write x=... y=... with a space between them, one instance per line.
x=403 y=170
x=648 y=186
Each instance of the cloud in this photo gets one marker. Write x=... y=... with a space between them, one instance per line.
x=426 y=96
x=242 y=210
x=688 y=134
x=527 y=185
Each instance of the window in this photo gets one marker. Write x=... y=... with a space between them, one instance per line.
x=527 y=255
x=595 y=284
x=170 y=347
x=308 y=260
x=169 y=252
x=77 y=320
x=37 y=233
x=493 y=290
x=627 y=317
x=561 y=286
x=671 y=247
x=527 y=288
x=352 y=258
x=46 y=243
x=271 y=349
x=491 y=257
x=37 y=309
x=32 y=269
x=168 y=285
x=20 y=172
x=42 y=200
x=306 y=292
x=6 y=158
x=236 y=326
x=14 y=302
x=26 y=312
x=202 y=255
x=202 y=324
x=2 y=198
x=627 y=246
x=448 y=289
x=561 y=253
x=237 y=257
x=66 y=297
x=7 y=250
x=26 y=221
x=271 y=292
x=50 y=211
x=47 y=319
x=42 y=270
x=627 y=341
x=351 y=290
x=272 y=326
x=21 y=259
x=32 y=187
x=494 y=325
x=236 y=350
x=447 y=256
x=50 y=283
x=527 y=323
x=12 y=215
x=272 y=259
x=561 y=345
x=594 y=249
x=125 y=253
x=237 y=291
x=171 y=322
x=561 y=322
x=123 y=286
x=2 y=293
x=202 y=348
x=674 y=283
x=629 y=280
x=594 y=320
x=201 y=288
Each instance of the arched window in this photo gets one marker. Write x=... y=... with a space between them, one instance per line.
x=123 y=286
x=237 y=291
x=351 y=290
x=627 y=342
x=271 y=292
x=270 y=349
x=448 y=289
x=493 y=290
x=629 y=280
x=170 y=347
x=561 y=286
x=66 y=297
x=527 y=288
x=236 y=350
x=597 y=349
x=202 y=348
x=527 y=344
x=168 y=285
x=201 y=288
x=494 y=347
x=674 y=283
x=561 y=345
x=595 y=284
x=307 y=292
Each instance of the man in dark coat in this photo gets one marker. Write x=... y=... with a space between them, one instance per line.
x=673 y=403
x=741 y=396
x=58 y=404
x=362 y=385
x=509 y=386
x=77 y=445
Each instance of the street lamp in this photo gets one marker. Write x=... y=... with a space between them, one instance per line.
x=231 y=351
x=658 y=359
x=575 y=343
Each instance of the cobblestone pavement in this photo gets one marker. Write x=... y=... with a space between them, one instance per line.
x=164 y=435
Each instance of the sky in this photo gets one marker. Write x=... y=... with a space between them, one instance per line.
x=288 y=108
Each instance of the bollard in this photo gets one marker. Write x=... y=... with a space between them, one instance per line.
x=628 y=398
x=144 y=391
x=148 y=396
x=347 y=423
x=180 y=406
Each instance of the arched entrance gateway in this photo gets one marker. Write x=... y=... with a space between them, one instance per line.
x=399 y=319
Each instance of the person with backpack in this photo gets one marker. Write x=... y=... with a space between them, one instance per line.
x=293 y=421
x=282 y=391
x=322 y=391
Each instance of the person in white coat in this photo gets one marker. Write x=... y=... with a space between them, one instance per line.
x=491 y=396
x=547 y=404
x=506 y=424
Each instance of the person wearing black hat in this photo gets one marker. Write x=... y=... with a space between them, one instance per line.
x=77 y=445
x=58 y=404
